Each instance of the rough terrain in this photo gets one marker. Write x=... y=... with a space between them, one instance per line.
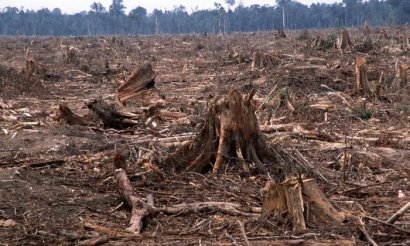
x=56 y=180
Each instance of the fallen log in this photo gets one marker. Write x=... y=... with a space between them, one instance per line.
x=107 y=113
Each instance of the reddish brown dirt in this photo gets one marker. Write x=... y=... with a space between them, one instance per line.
x=51 y=203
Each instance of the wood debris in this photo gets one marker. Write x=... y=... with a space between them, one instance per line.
x=139 y=82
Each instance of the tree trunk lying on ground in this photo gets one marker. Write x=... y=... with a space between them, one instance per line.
x=107 y=113
x=110 y=116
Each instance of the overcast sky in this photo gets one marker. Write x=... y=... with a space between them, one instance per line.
x=74 y=6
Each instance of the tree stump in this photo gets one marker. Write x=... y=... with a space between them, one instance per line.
x=229 y=135
x=279 y=104
x=404 y=44
x=302 y=201
x=344 y=41
x=263 y=60
x=366 y=29
x=361 y=81
x=281 y=33
x=400 y=79
x=140 y=81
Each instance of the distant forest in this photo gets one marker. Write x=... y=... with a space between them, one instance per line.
x=225 y=17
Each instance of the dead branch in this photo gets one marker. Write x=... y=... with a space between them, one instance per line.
x=112 y=233
x=387 y=224
x=95 y=241
x=39 y=164
x=365 y=233
x=398 y=214
x=242 y=228
x=140 y=209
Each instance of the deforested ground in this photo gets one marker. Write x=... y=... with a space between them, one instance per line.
x=57 y=182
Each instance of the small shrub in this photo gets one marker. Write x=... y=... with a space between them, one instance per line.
x=363 y=113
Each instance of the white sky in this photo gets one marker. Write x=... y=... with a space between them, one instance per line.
x=75 y=6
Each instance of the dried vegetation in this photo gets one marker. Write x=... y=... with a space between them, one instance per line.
x=259 y=138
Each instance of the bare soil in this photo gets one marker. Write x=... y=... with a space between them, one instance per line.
x=55 y=179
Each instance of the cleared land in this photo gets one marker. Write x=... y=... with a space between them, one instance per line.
x=56 y=179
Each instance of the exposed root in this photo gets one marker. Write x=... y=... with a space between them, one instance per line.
x=231 y=137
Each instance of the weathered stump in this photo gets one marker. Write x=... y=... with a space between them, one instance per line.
x=140 y=81
x=344 y=41
x=300 y=200
x=263 y=60
x=231 y=135
x=361 y=82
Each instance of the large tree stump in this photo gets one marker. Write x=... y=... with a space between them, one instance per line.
x=404 y=43
x=231 y=135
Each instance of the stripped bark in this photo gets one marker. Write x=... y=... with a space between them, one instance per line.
x=140 y=81
x=302 y=201
x=361 y=82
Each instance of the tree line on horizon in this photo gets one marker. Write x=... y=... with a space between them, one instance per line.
x=225 y=17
